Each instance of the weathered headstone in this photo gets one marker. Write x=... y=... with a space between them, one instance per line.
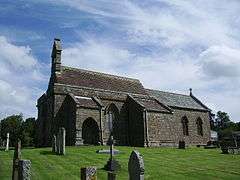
x=7 y=144
x=62 y=141
x=58 y=143
x=89 y=173
x=54 y=143
x=136 y=166
x=24 y=170
x=16 y=158
x=181 y=145
x=112 y=164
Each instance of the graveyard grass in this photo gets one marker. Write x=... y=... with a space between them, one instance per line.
x=160 y=163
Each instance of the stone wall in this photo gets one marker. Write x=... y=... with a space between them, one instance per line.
x=167 y=129
x=120 y=124
x=89 y=92
x=81 y=115
x=161 y=129
x=66 y=117
x=192 y=116
x=136 y=124
x=45 y=120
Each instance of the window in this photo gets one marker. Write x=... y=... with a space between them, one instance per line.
x=199 y=127
x=112 y=115
x=110 y=120
x=185 y=126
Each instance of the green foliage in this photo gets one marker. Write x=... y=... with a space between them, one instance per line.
x=19 y=129
x=224 y=126
x=222 y=121
x=28 y=135
x=160 y=163
x=12 y=125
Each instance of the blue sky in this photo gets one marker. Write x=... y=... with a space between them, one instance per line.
x=168 y=45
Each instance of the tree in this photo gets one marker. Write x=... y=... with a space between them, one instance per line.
x=11 y=125
x=224 y=126
x=19 y=129
x=222 y=121
x=28 y=132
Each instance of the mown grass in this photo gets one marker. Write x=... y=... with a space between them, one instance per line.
x=160 y=163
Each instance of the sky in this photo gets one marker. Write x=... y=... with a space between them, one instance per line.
x=168 y=45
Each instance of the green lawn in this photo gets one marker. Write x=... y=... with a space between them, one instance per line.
x=160 y=163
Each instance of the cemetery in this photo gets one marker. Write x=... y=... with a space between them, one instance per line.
x=150 y=163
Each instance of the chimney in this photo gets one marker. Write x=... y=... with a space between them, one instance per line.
x=56 y=56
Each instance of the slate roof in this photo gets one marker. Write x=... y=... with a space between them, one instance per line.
x=97 y=80
x=176 y=100
x=86 y=102
x=151 y=104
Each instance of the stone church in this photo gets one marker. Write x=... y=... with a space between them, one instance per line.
x=92 y=105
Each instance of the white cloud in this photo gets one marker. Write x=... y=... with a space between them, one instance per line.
x=221 y=61
x=193 y=44
x=190 y=44
x=16 y=56
x=98 y=56
x=19 y=79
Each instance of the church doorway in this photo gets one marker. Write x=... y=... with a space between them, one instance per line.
x=90 y=132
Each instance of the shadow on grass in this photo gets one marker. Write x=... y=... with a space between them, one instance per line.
x=47 y=153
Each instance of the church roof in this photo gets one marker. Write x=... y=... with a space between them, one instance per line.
x=176 y=100
x=151 y=104
x=86 y=102
x=97 y=80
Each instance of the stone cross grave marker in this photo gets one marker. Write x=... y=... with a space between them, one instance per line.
x=7 y=144
x=112 y=175
x=62 y=141
x=54 y=144
x=136 y=166
x=16 y=158
x=111 y=148
x=112 y=164
x=89 y=173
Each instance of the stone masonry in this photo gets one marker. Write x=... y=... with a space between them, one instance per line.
x=87 y=104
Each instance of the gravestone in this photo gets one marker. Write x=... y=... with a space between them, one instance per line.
x=181 y=145
x=24 y=170
x=62 y=141
x=89 y=173
x=112 y=164
x=7 y=144
x=16 y=158
x=136 y=166
x=58 y=143
x=54 y=143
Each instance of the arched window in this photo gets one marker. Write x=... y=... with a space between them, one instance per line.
x=111 y=117
x=199 y=127
x=185 y=126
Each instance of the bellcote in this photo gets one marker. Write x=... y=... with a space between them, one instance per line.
x=56 y=56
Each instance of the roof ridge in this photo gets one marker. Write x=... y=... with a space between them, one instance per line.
x=100 y=73
x=168 y=92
